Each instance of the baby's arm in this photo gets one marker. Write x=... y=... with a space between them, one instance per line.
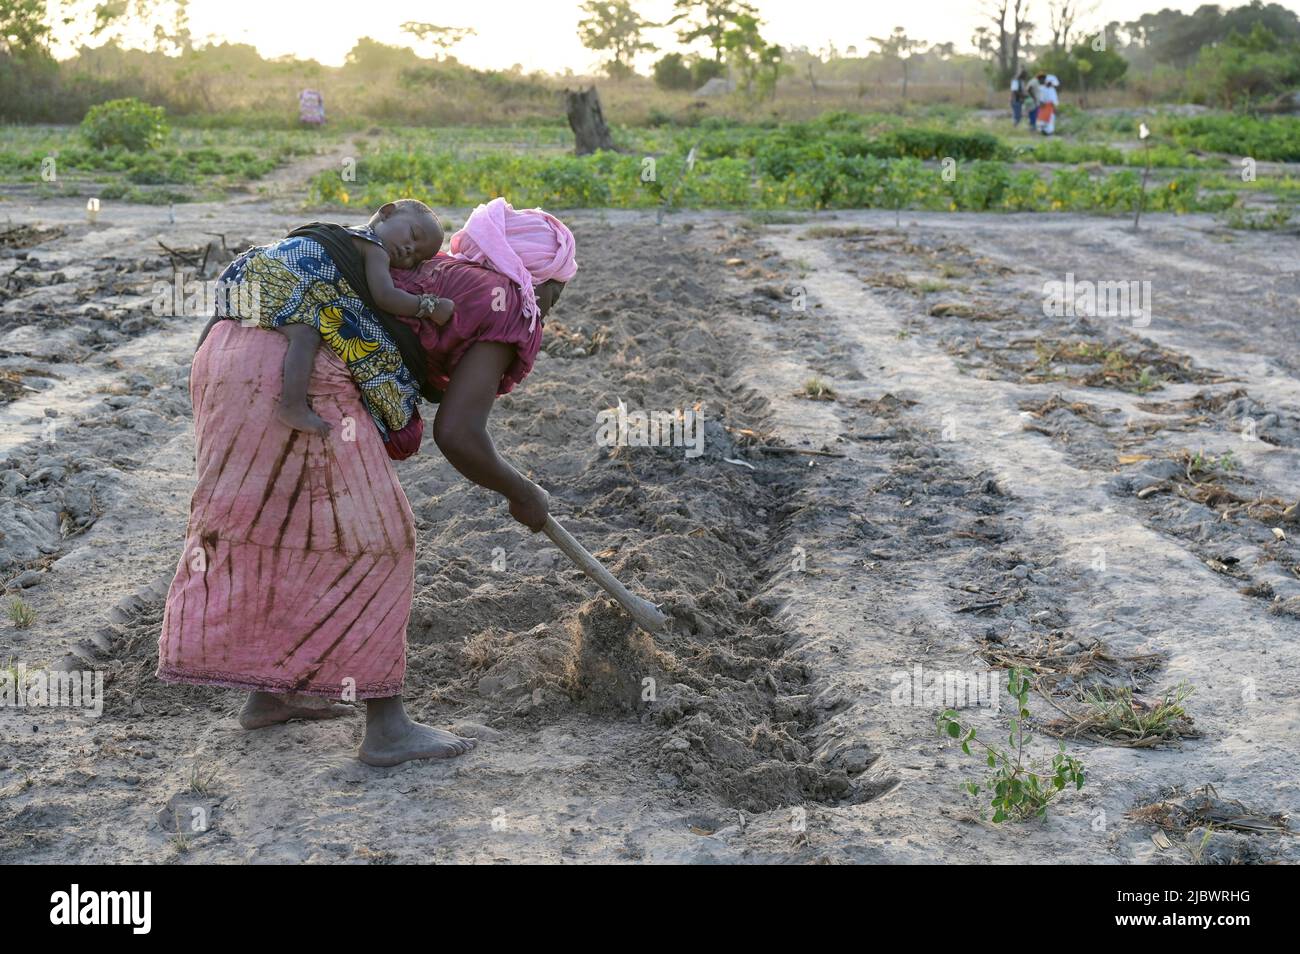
x=304 y=340
x=391 y=298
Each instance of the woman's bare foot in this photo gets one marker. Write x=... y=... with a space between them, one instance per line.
x=270 y=708
x=392 y=738
x=302 y=418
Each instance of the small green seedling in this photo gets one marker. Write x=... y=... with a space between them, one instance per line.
x=1015 y=789
x=1202 y=463
x=1148 y=380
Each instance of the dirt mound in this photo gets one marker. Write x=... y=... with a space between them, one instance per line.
x=614 y=663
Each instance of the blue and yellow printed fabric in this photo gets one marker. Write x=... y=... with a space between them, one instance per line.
x=297 y=281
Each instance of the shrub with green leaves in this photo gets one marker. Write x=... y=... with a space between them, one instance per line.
x=1016 y=789
x=1245 y=70
x=127 y=123
x=672 y=72
x=941 y=143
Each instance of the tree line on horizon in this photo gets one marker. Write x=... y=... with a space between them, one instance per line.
x=1250 y=52
x=1242 y=57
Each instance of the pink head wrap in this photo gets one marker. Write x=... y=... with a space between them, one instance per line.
x=529 y=247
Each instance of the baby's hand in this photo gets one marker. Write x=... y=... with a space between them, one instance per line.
x=438 y=310
x=443 y=311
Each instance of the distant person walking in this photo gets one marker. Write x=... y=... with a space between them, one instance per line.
x=1018 y=96
x=1047 y=107
x=311 y=108
x=1033 y=91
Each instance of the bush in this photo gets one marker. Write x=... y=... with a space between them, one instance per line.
x=150 y=170
x=1084 y=68
x=671 y=72
x=1246 y=70
x=128 y=123
x=704 y=70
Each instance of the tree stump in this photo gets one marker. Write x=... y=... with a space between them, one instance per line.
x=587 y=121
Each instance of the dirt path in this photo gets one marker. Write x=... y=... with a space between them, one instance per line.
x=290 y=182
x=800 y=586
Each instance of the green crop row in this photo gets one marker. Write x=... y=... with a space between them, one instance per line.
x=613 y=180
x=1271 y=139
x=186 y=157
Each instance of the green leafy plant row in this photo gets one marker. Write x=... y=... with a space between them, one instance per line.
x=831 y=181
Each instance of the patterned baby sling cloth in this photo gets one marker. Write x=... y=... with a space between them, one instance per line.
x=337 y=242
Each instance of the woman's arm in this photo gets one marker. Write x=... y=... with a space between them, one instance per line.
x=460 y=431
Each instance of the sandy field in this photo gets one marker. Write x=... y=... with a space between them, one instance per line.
x=1107 y=501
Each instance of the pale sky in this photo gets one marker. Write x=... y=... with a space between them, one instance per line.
x=542 y=34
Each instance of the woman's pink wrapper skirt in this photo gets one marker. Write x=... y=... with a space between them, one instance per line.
x=298 y=566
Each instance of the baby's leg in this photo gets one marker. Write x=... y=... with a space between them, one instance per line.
x=294 y=411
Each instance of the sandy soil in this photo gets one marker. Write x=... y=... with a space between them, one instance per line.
x=977 y=498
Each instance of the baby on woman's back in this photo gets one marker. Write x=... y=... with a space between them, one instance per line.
x=400 y=234
x=332 y=283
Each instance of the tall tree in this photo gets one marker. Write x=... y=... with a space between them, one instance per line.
x=167 y=23
x=23 y=27
x=753 y=58
x=712 y=20
x=614 y=26
x=1175 y=38
x=1061 y=18
x=172 y=34
x=1012 y=31
x=898 y=46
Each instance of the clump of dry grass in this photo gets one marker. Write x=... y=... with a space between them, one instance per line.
x=1202 y=482
x=25 y=236
x=1200 y=402
x=1205 y=809
x=1120 y=718
x=11 y=385
x=565 y=342
x=1080 y=409
x=202 y=780
x=484 y=648
x=1061 y=665
x=1094 y=363
x=818 y=390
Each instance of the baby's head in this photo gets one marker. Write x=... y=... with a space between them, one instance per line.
x=411 y=233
